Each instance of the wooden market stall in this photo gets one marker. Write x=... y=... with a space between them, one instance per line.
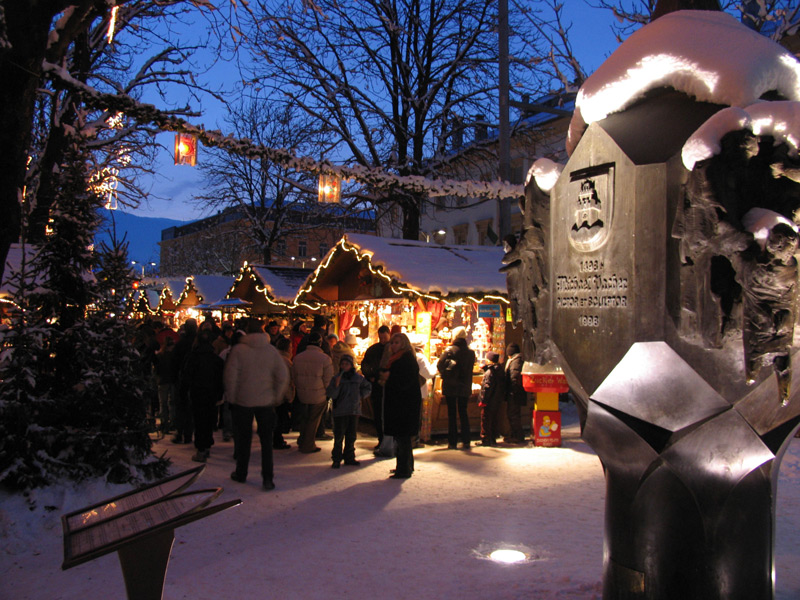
x=199 y=294
x=271 y=290
x=425 y=289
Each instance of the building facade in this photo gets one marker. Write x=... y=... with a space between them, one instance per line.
x=472 y=221
x=223 y=242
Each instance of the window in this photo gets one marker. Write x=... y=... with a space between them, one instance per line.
x=483 y=232
x=323 y=249
x=302 y=249
x=460 y=234
x=280 y=247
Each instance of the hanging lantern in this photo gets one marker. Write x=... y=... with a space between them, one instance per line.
x=185 y=149
x=330 y=188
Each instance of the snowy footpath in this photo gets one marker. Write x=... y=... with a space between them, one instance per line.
x=352 y=532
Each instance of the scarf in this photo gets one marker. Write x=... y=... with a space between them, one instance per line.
x=393 y=358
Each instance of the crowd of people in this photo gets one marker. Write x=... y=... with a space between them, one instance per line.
x=208 y=378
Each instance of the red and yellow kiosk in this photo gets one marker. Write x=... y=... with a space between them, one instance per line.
x=546 y=382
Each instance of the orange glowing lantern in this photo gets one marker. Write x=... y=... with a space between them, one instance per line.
x=330 y=188
x=185 y=149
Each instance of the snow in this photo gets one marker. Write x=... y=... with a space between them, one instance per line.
x=780 y=120
x=212 y=288
x=429 y=267
x=13 y=265
x=708 y=55
x=281 y=283
x=353 y=533
x=545 y=172
x=760 y=221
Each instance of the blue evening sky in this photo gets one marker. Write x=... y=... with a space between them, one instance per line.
x=591 y=37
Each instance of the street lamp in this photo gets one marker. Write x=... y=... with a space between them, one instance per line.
x=143 y=265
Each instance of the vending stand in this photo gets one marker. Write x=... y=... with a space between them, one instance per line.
x=546 y=382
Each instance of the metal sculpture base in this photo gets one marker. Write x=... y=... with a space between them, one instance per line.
x=690 y=482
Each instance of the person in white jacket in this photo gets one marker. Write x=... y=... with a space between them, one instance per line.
x=256 y=377
x=427 y=372
x=312 y=370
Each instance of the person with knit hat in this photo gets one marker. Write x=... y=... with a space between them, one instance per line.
x=455 y=367
x=346 y=390
x=338 y=350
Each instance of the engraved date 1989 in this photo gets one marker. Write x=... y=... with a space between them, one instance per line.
x=590 y=265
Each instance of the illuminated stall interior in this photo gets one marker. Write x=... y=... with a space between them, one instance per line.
x=425 y=289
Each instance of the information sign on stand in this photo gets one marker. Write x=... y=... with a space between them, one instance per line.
x=139 y=526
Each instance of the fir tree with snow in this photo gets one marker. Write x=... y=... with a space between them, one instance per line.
x=72 y=400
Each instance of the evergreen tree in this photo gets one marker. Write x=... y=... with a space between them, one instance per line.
x=113 y=273
x=72 y=401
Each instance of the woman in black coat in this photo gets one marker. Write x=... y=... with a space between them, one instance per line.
x=402 y=401
x=202 y=377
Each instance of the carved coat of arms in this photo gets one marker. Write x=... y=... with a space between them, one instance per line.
x=592 y=208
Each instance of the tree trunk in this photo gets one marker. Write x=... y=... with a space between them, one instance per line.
x=27 y=25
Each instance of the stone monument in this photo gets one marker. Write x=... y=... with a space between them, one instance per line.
x=659 y=273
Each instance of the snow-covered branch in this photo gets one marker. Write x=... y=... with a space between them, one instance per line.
x=375 y=177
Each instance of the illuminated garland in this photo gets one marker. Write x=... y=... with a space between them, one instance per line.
x=186 y=289
x=247 y=270
x=162 y=298
x=374 y=177
x=134 y=305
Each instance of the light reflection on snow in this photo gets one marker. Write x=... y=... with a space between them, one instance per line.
x=509 y=554
x=504 y=555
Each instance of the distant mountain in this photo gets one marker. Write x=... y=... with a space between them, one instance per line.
x=142 y=234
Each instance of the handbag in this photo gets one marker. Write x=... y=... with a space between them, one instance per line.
x=388 y=447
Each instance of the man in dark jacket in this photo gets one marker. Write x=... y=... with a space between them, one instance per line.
x=455 y=367
x=493 y=392
x=515 y=394
x=202 y=377
x=370 y=366
x=183 y=409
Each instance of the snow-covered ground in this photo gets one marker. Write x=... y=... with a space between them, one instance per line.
x=325 y=533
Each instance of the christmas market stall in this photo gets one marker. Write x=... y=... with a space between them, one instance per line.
x=170 y=290
x=167 y=291
x=271 y=291
x=199 y=295
x=142 y=303
x=424 y=290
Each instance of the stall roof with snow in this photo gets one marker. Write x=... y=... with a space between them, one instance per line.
x=364 y=267
x=169 y=290
x=707 y=56
x=268 y=289
x=204 y=289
